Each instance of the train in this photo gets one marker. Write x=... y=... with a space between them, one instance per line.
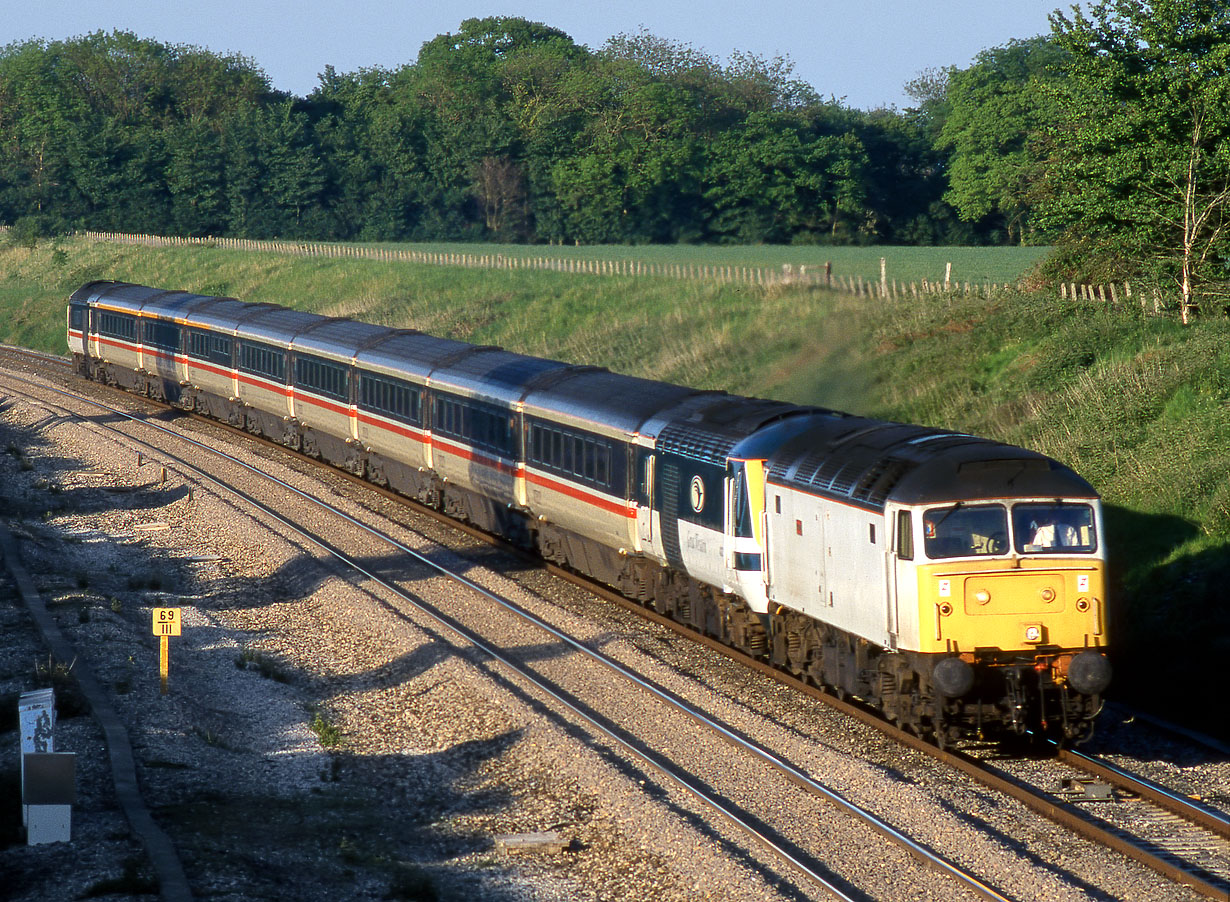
x=955 y=583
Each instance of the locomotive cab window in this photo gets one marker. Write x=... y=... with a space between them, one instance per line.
x=965 y=530
x=1051 y=528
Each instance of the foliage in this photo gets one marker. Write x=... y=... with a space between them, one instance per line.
x=503 y=130
x=994 y=108
x=1137 y=157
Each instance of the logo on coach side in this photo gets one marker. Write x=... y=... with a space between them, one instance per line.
x=698 y=494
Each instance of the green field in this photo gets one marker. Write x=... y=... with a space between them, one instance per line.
x=1138 y=405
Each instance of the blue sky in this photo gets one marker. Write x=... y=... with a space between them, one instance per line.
x=863 y=53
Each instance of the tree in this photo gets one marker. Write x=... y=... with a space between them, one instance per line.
x=995 y=108
x=1138 y=159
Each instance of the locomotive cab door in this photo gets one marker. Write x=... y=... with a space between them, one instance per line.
x=744 y=534
x=902 y=577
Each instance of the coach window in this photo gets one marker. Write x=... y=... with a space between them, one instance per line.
x=117 y=325
x=198 y=345
x=220 y=349
x=161 y=335
x=263 y=361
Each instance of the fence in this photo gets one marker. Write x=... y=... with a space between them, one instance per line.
x=787 y=274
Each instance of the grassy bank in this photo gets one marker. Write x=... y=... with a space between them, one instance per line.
x=1137 y=405
x=741 y=338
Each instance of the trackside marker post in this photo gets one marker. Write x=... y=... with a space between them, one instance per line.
x=167 y=623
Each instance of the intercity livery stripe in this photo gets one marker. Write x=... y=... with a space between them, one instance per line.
x=398 y=429
x=611 y=504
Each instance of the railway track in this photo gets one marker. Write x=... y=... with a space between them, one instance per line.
x=788 y=852
x=1193 y=856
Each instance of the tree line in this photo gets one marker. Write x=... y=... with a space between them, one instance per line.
x=1106 y=137
x=505 y=130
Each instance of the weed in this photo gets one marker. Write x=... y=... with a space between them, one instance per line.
x=58 y=676
x=329 y=736
x=266 y=666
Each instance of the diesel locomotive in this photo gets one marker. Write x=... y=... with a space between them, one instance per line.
x=957 y=584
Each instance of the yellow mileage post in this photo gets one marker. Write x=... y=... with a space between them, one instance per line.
x=167 y=623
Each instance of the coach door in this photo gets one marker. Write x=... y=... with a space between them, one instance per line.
x=644 y=498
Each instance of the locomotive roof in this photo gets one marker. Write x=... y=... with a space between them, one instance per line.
x=711 y=431
x=870 y=461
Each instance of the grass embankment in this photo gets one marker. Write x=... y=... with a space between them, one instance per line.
x=1137 y=405
x=735 y=337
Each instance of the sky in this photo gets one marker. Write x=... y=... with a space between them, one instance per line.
x=861 y=53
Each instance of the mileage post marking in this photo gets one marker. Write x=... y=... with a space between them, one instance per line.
x=167 y=623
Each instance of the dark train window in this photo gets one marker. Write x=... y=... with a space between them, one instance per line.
x=262 y=360
x=220 y=349
x=117 y=325
x=198 y=345
x=161 y=335
x=324 y=377
x=389 y=396
x=482 y=425
x=585 y=458
x=206 y=346
x=76 y=316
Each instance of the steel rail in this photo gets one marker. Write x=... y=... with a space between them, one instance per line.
x=1166 y=799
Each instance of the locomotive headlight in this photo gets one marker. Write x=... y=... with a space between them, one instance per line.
x=982 y=596
x=1048 y=594
x=1033 y=633
x=1082 y=604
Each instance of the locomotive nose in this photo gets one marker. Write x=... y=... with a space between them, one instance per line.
x=1089 y=673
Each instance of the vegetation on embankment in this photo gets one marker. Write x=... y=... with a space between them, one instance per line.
x=1138 y=405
